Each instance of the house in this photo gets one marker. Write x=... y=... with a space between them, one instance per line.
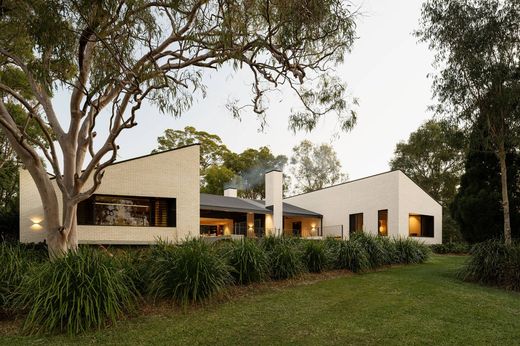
x=157 y=196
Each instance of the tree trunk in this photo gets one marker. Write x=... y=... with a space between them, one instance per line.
x=505 y=195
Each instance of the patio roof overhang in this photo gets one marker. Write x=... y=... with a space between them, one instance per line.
x=242 y=205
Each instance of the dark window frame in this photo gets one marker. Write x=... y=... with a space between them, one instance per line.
x=427 y=226
x=352 y=222
x=88 y=218
x=379 y=212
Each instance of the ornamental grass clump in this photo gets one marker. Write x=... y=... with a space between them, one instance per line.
x=494 y=263
x=350 y=255
x=249 y=261
x=315 y=256
x=284 y=257
x=14 y=263
x=188 y=273
x=82 y=290
x=410 y=251
x=377 y=254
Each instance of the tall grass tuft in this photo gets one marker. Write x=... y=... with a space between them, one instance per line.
x=80 y=291
x=284 y=257
x=490 y=263
x=190 y=272
x=351 y=255
x=410 y=251
x=376 y=252
x=315 y=256
x=14 y=263
x=248 y=260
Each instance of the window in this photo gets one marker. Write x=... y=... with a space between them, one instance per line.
x=356 y=222
x=382 y=222
x=105 y=210
x=420 y=225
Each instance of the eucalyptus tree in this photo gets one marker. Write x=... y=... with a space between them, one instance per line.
x=315 y=166
x=110 y=56
x=477 y=44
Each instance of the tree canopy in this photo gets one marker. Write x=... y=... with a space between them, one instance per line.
x=476 y=44
x=433 y=157
x=315 y=166
x=108 y=57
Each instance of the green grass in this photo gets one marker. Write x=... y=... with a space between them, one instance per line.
x=416 y=304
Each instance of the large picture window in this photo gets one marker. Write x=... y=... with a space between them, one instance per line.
x=106 y=210
x=356 y=222
x=420 y=225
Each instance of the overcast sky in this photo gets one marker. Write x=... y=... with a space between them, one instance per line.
x=386 y=71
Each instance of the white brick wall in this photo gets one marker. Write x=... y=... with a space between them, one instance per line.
x=393 y=191
x=171 y=174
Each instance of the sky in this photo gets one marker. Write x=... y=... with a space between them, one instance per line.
x=386 y=71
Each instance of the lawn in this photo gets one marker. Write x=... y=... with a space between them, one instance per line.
x=419 y=304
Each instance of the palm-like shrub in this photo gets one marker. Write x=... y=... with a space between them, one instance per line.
x=190 y=272
x=249 y=261
x=82 y=290
x=351 y=255
x=376 y=252
x=284 y=258
x=315 y=256
x=410 y=251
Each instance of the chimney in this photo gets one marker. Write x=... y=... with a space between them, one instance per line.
x=274 y=199
x=230 y=192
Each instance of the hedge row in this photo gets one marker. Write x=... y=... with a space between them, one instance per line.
x=92 y=287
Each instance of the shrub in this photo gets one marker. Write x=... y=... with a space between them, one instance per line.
x=190 y=272
x=351 y=255
x=390 y=248
x=450 y=248
x=248 y=260
x=284 y=258
x=410 y=251
x=315 y=256
x=377 y=254
x=493 y=263
x=13 y=266
x=136 y=264
x=74 y=293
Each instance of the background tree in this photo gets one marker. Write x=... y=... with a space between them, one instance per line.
x=477 y=45
x=110 y=56
x=477 y=206
x=216 y=179
x=433 y=157
x=250 y=167
x=212 y=150
x=315 y=166
x=9 y=163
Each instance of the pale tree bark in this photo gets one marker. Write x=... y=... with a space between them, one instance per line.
x=505 y=196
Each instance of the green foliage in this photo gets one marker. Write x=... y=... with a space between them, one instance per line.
x=215 y=179
x=188 y=273
x=249 y=261
x=315 y=256
x=450 y=248
x=477 y=208
x=80 y=291
x=13 y=266
x=376 y=251
x=284 y=256
x=136 y=263
x=349 y=255
x=493 y=263
x=410 y=251
x=315 y=166
x=212 y=150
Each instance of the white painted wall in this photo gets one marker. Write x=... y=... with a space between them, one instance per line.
x=392 y=190
x=171 y=174
x=413 y=200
